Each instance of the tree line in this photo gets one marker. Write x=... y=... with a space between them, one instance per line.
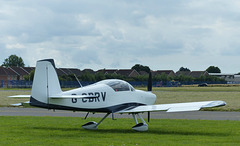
x=159 y=77
x=14 y=60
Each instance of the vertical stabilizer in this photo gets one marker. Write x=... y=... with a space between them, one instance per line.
x=45 y=83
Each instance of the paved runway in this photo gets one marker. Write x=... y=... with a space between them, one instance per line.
x=203 y=115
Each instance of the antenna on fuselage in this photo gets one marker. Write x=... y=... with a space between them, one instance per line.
x=78 y=80
x=149 y=88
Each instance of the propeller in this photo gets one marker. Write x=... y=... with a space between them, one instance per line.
x=149 y=88
x=148 y=117
x=150 y=82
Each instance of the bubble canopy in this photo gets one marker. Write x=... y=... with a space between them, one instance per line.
x=117 y=85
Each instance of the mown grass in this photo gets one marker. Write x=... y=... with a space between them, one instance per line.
x=68 y=131
x=6 y=101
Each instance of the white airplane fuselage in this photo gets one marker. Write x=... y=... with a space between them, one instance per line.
x=105 y=96
x=106 y=100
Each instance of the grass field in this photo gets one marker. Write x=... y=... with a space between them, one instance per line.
x=68 y=131
x=231 y=95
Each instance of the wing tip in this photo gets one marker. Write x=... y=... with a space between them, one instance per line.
x=215 y=104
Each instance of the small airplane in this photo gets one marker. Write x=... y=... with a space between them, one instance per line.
x=107 y=96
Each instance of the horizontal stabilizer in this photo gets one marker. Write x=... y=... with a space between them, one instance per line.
x=20 y=96
x=19 y=104
x=16 y=104
x=175 y=107
x=72 y=96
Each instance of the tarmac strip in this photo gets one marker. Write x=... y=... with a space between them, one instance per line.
x=202 y=115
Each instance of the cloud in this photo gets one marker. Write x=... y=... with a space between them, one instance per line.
x=15 y=46
x=119 y=34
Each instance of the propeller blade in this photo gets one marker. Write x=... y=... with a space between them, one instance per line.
x=150 y=81
x=148 y=116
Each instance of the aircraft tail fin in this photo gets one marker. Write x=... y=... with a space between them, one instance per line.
x=45 y=83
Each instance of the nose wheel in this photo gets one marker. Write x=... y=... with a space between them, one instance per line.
x=139 y=126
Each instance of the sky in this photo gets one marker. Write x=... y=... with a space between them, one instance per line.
x=117 y=34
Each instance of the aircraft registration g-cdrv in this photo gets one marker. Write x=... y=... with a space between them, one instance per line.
x=107 y=96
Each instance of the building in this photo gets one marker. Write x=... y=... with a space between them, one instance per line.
x=197 y=74
x=232 y=78
x=169 y=73
x=68 y=71
x=3 y=74
x=128 y=72
x=185 y=73
x=6 y=74
x=108 y=71
x=90 y=71
x=143 y=73
x=19 y=71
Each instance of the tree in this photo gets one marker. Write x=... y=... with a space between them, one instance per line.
x=183 y=78
x=213 y=69
x=13 y=60
x=162 y=77
x=139 y=67
x=30 y=76
x=99 y=76
x=88 y=77
x=184 y=69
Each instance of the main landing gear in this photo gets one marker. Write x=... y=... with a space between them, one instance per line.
x=138 y=127
x=93 y=125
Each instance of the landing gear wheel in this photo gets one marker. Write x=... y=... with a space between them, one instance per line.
x=140 y=127
x=90 y=126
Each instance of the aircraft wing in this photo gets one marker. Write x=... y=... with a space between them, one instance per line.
x=174 y=107
x=20 y=96
x=57 y=96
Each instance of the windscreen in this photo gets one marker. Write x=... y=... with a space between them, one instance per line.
x=118 y=85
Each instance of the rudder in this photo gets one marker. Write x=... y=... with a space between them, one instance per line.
x=45 y=83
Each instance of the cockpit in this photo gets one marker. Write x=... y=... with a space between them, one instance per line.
x=118 y=85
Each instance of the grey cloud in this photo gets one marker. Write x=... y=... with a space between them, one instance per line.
x=117 y=33
x=83 y=57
